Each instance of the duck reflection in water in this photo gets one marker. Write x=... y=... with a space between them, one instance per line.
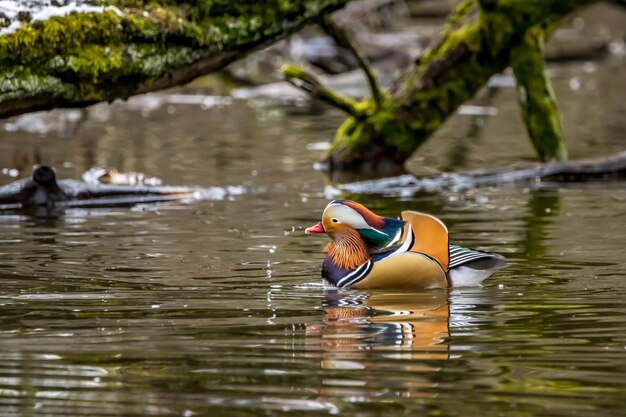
x=408 y=325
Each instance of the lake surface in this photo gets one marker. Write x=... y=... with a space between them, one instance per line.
x=216 y=308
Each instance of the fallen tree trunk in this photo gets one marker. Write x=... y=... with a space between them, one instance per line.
x=481 y=38
x=79 y=52
x=609 y=168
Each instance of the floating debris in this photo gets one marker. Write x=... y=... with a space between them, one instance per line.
x=113 y=176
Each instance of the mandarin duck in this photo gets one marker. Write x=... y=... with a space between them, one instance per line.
x=368 y=251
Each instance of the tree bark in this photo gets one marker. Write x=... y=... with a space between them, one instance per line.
x=118 y=48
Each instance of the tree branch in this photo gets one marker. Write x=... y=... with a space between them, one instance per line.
x=110 y=49
x=475 y=44
x=536 y=97
x=306 y=81
x=342 y=38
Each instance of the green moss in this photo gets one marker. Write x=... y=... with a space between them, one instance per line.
x=17 y=81
x=475 y=44
x=81 y=51
x=309 y=82
x=536 y=98
x=348 y=135
x=354 y=135
x=85 y=57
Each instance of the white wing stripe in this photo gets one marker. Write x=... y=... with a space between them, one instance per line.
x=407 y=243
x=466 y=256
x=459 y=257
x=356 y=275
x=396 y=238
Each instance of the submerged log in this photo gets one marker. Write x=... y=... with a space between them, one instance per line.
x=72 y=53
x=580 y=171
x=43 y=190
x=481 y=38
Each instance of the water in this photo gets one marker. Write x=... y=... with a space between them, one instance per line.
x=216 y=307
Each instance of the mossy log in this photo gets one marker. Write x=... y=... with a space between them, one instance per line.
x=536 y=98
x=480 y=38
x=72 y=53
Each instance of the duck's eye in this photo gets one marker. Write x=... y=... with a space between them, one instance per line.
x=335 y=220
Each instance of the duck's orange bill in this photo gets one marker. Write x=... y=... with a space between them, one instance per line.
x=318 y=228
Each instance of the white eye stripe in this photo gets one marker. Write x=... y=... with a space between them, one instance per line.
x=346 y=215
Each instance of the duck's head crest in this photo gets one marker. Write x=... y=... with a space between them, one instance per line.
x=340 y=215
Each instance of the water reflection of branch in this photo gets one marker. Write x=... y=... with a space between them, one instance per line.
x=543 y=207
x=457 y=154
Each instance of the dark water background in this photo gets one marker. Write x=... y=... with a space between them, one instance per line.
x=216 y=307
